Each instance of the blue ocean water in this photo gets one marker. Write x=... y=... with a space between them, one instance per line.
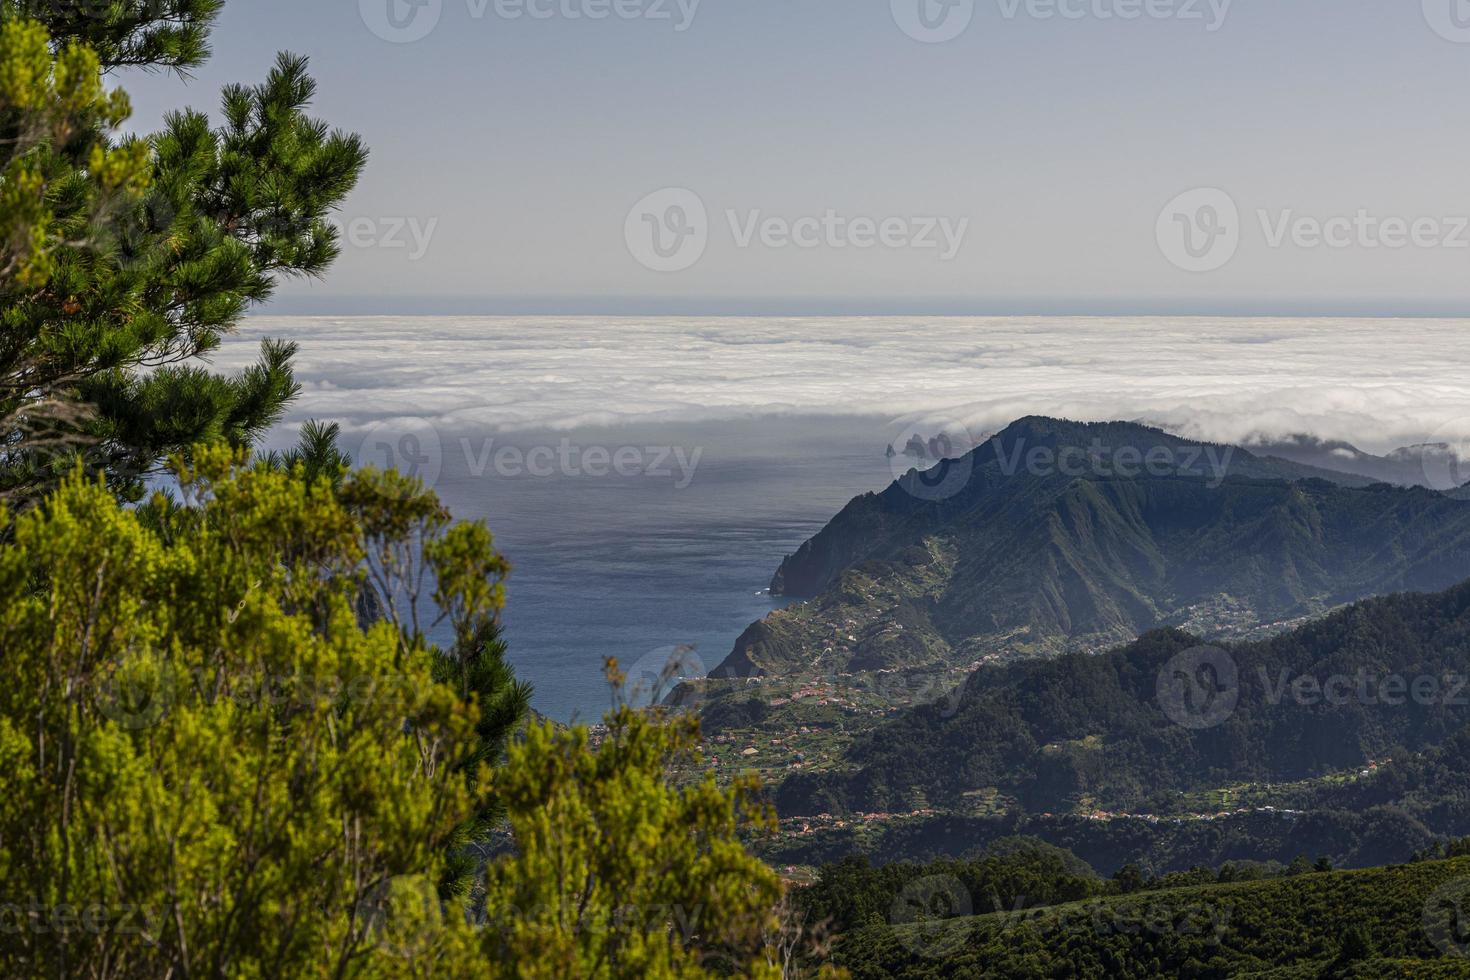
x=635 y=564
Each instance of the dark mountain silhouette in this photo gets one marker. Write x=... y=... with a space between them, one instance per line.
x=1432 y=465
x=1057 y=536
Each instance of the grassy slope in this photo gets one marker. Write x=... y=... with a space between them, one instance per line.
x=1290 y=927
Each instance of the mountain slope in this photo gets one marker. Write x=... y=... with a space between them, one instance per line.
x=1058 y=536
x=1396 y=921
x=1428 y=464
x=1383 y=679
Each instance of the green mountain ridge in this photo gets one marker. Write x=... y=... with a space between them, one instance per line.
x=995 y=555
x=1384 y=679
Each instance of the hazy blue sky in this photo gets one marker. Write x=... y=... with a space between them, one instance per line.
x=1048 y=146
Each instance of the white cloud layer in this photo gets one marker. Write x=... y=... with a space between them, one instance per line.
x=1377 y=383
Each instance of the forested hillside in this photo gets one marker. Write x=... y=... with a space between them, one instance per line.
x=1379 y=682
x=1406 y=921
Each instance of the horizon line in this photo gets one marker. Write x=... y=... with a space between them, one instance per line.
x=474 y=306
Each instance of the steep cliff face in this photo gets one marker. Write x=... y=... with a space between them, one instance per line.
x=1059 y=536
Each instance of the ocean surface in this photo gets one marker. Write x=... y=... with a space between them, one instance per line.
x=645 y=476
x=638 y=564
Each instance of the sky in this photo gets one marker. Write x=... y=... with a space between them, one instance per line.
x=881 y=156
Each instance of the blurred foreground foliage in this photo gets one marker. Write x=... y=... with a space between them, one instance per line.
x=217 y=763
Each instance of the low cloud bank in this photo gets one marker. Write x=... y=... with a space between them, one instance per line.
x=1379 y=384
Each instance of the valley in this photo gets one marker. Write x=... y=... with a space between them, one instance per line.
x=990 y=662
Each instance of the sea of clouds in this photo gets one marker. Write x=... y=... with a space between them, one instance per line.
x=1378 y=383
